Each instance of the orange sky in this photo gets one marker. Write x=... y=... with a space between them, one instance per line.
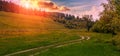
x=46 y=5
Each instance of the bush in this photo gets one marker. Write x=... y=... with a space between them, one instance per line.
x=116 y=42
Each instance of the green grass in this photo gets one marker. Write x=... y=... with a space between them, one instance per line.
x=83 y=49
x=19 y=21
x=20 y=32
x=93 y=47
x=13 y=44
x=98 y=45
x=14 y=29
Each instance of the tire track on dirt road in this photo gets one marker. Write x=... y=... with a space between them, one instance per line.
x=57 y=45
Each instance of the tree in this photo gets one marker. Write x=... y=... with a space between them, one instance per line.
x=109 y=18
x=89 y=23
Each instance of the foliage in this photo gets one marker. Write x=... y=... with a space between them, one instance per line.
x=72 y=22
x=116 y=42
x=109 y=19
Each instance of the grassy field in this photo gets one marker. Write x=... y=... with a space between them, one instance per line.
x=83 y=49
x=98 y=45
x=20 y=32
x=93 y=47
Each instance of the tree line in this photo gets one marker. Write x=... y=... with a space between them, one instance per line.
x=72 y=22
x=12 y=7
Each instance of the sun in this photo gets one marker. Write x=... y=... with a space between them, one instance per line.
x=30 y=4
x=27 y=5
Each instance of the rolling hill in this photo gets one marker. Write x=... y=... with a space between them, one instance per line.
x=19 y=32
x=12 y=22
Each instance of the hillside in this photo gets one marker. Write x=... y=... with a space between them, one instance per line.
x=24 y=35
x=12 y=22
x=20 y=32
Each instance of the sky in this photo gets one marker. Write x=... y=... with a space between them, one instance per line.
x=76 y=7
x=83 y=7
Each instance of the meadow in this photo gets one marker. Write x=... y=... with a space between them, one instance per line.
x=93 y=47
x=21 y=32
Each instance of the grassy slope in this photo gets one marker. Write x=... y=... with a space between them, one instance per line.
x=17 y=24
x=46 y=32
x=43 y=31
x=11 y=20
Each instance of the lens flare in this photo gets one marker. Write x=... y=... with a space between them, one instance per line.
x=33 y=4
x=27 y=5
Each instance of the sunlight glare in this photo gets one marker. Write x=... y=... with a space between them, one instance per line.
x=30 y=4
x=27 y=5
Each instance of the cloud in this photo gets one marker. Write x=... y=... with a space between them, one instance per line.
x=52 y=6
x=95 y=11
x=83 y=10
x=80 y=7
